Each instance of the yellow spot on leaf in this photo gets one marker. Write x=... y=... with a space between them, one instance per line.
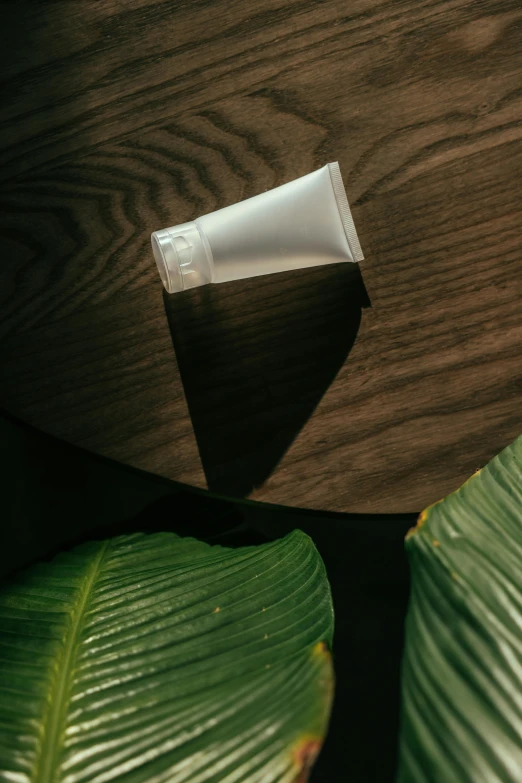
x=321 y=649
x=265 y=636
x=454 y=576
x=267 y=666
x=423 y=516
x=263 y=609
x=216 y=610
x=435 y=542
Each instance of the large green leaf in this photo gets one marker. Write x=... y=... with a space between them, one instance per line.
x=462 y=666
x=163 y=659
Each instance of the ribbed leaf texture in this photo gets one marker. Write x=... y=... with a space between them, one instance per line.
x=153 y=658
x=462 y=665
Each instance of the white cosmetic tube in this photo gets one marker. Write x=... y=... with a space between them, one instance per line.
x=304 y=223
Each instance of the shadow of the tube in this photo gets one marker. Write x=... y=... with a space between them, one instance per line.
x=255 y=358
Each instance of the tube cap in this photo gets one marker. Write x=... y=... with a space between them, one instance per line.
x=183 y=257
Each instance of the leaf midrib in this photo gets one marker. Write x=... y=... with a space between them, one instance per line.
x=46 y=765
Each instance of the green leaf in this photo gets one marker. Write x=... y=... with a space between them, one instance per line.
x=462 y=665
x=163 y=659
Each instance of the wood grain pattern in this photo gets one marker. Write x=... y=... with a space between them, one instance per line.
x=121 y=118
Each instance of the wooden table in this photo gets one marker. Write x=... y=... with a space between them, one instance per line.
x=378 y=388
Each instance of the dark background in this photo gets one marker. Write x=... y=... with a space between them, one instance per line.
x=55 y=495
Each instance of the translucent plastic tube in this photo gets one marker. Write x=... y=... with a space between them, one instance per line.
x=304 y=223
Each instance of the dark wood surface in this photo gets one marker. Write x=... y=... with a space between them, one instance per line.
x=378 y=388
